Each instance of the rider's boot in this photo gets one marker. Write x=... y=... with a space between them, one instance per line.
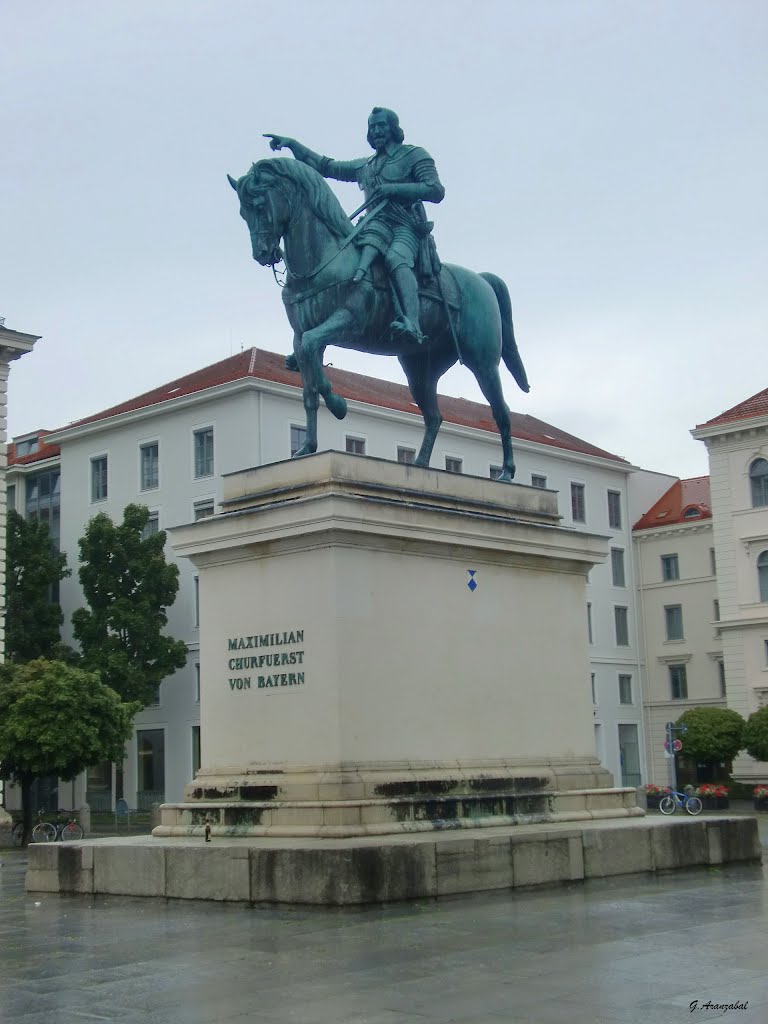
x=367 y=256
x=407 y=289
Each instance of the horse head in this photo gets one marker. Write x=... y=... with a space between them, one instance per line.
x=275 y=193
x=265 y=206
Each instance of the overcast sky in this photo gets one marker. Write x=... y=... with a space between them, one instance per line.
x=606 y=158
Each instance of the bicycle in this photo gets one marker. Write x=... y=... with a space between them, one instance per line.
x=66 y=831
x=672 y=800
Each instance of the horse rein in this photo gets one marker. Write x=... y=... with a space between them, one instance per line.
x=308 y=277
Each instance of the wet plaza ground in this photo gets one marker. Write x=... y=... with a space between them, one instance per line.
x=629 y=949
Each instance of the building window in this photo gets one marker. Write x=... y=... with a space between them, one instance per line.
x=629 y=755
x=617 y=567
x=495 y=472
x=149 y=455
x=150 y=744
x=758 y=478
x=43 y=502
x=614 y=510
x=670 y=567
x=152 y=526
x=678 y=682
x=203 y=440
x=721 y=677
x=590 y=635
x=625 y=689
x=453 y=465
x=27 y=446
x=10 y=496
x=762 y=575
x=195 y=750
x=621 y=618
x=197 y=601
x=673 y=621
x=594 y=692
x=298 y=437
x=716 y=609
x=155 y=702
x=197 y=682
x=713 y=561
x=355 y=445
x=578 y=503
x=406 y=455
x=99 y=478
x=203 y=509
x=765 y=645
x=538 y=481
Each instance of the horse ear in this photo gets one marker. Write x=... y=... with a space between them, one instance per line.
x=232 y=182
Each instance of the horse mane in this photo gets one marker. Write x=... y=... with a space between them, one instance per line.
x=319 y=196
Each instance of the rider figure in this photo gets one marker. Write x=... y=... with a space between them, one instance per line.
x=404 y=176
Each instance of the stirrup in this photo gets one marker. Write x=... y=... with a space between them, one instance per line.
x=403 y=326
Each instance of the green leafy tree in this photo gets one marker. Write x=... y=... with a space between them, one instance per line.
x=56 y=719
x=756 y=735
x=33 y=566
x=128 y=584
x=714 y=734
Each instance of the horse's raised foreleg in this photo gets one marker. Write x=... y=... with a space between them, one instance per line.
x=309 y=351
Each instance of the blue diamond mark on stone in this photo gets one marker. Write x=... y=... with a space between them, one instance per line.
x=472 y=584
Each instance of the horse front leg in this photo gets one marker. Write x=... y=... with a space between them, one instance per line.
x=310 y=355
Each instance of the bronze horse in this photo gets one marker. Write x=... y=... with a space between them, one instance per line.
x=287 y=200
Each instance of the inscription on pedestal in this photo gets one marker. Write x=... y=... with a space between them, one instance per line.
x=273 y=680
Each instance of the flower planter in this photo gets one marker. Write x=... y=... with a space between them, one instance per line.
x=715 y=803
x=761 y=806
x=652 y=801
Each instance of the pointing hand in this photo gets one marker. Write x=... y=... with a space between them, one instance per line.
x=276 y=142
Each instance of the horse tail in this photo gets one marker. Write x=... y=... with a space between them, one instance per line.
x=509 y=352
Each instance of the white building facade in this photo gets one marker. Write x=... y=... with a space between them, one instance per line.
x=677 y=583
x=169 y=449
x=737 y=443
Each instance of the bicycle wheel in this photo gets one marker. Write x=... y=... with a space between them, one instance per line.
x=667 y=805
x=71 y=831
x=693 y=805
x=17 y=833
x=44 y=832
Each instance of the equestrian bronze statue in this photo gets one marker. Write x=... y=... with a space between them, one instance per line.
x=377 y=286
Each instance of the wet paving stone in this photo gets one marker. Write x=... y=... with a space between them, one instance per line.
x=617 y=951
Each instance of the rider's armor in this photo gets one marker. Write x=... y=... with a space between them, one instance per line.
x=400 y=229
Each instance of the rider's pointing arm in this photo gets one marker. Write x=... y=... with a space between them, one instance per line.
x=341 y=170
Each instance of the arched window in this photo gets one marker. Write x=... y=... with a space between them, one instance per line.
x=762 y=575
x=758 y=476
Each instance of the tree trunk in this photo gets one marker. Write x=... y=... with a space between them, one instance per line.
x=26 y=779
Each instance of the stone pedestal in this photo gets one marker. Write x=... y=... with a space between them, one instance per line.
x=389 y=649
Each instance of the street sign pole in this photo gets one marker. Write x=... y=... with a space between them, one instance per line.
x=671 y=748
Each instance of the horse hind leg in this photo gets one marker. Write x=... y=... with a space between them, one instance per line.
x=490 y=385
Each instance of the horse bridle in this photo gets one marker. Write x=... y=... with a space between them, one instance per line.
x=262 y=191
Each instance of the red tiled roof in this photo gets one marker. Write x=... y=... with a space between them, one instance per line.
x=262 y=365
x=44 y=451
x=757 y=405
x=691 y=496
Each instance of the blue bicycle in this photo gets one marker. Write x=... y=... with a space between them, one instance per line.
x=672 y=800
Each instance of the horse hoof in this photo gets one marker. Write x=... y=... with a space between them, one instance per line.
x=337 y=405
x=291 y=363
x=306 y=449
x=506 y=476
